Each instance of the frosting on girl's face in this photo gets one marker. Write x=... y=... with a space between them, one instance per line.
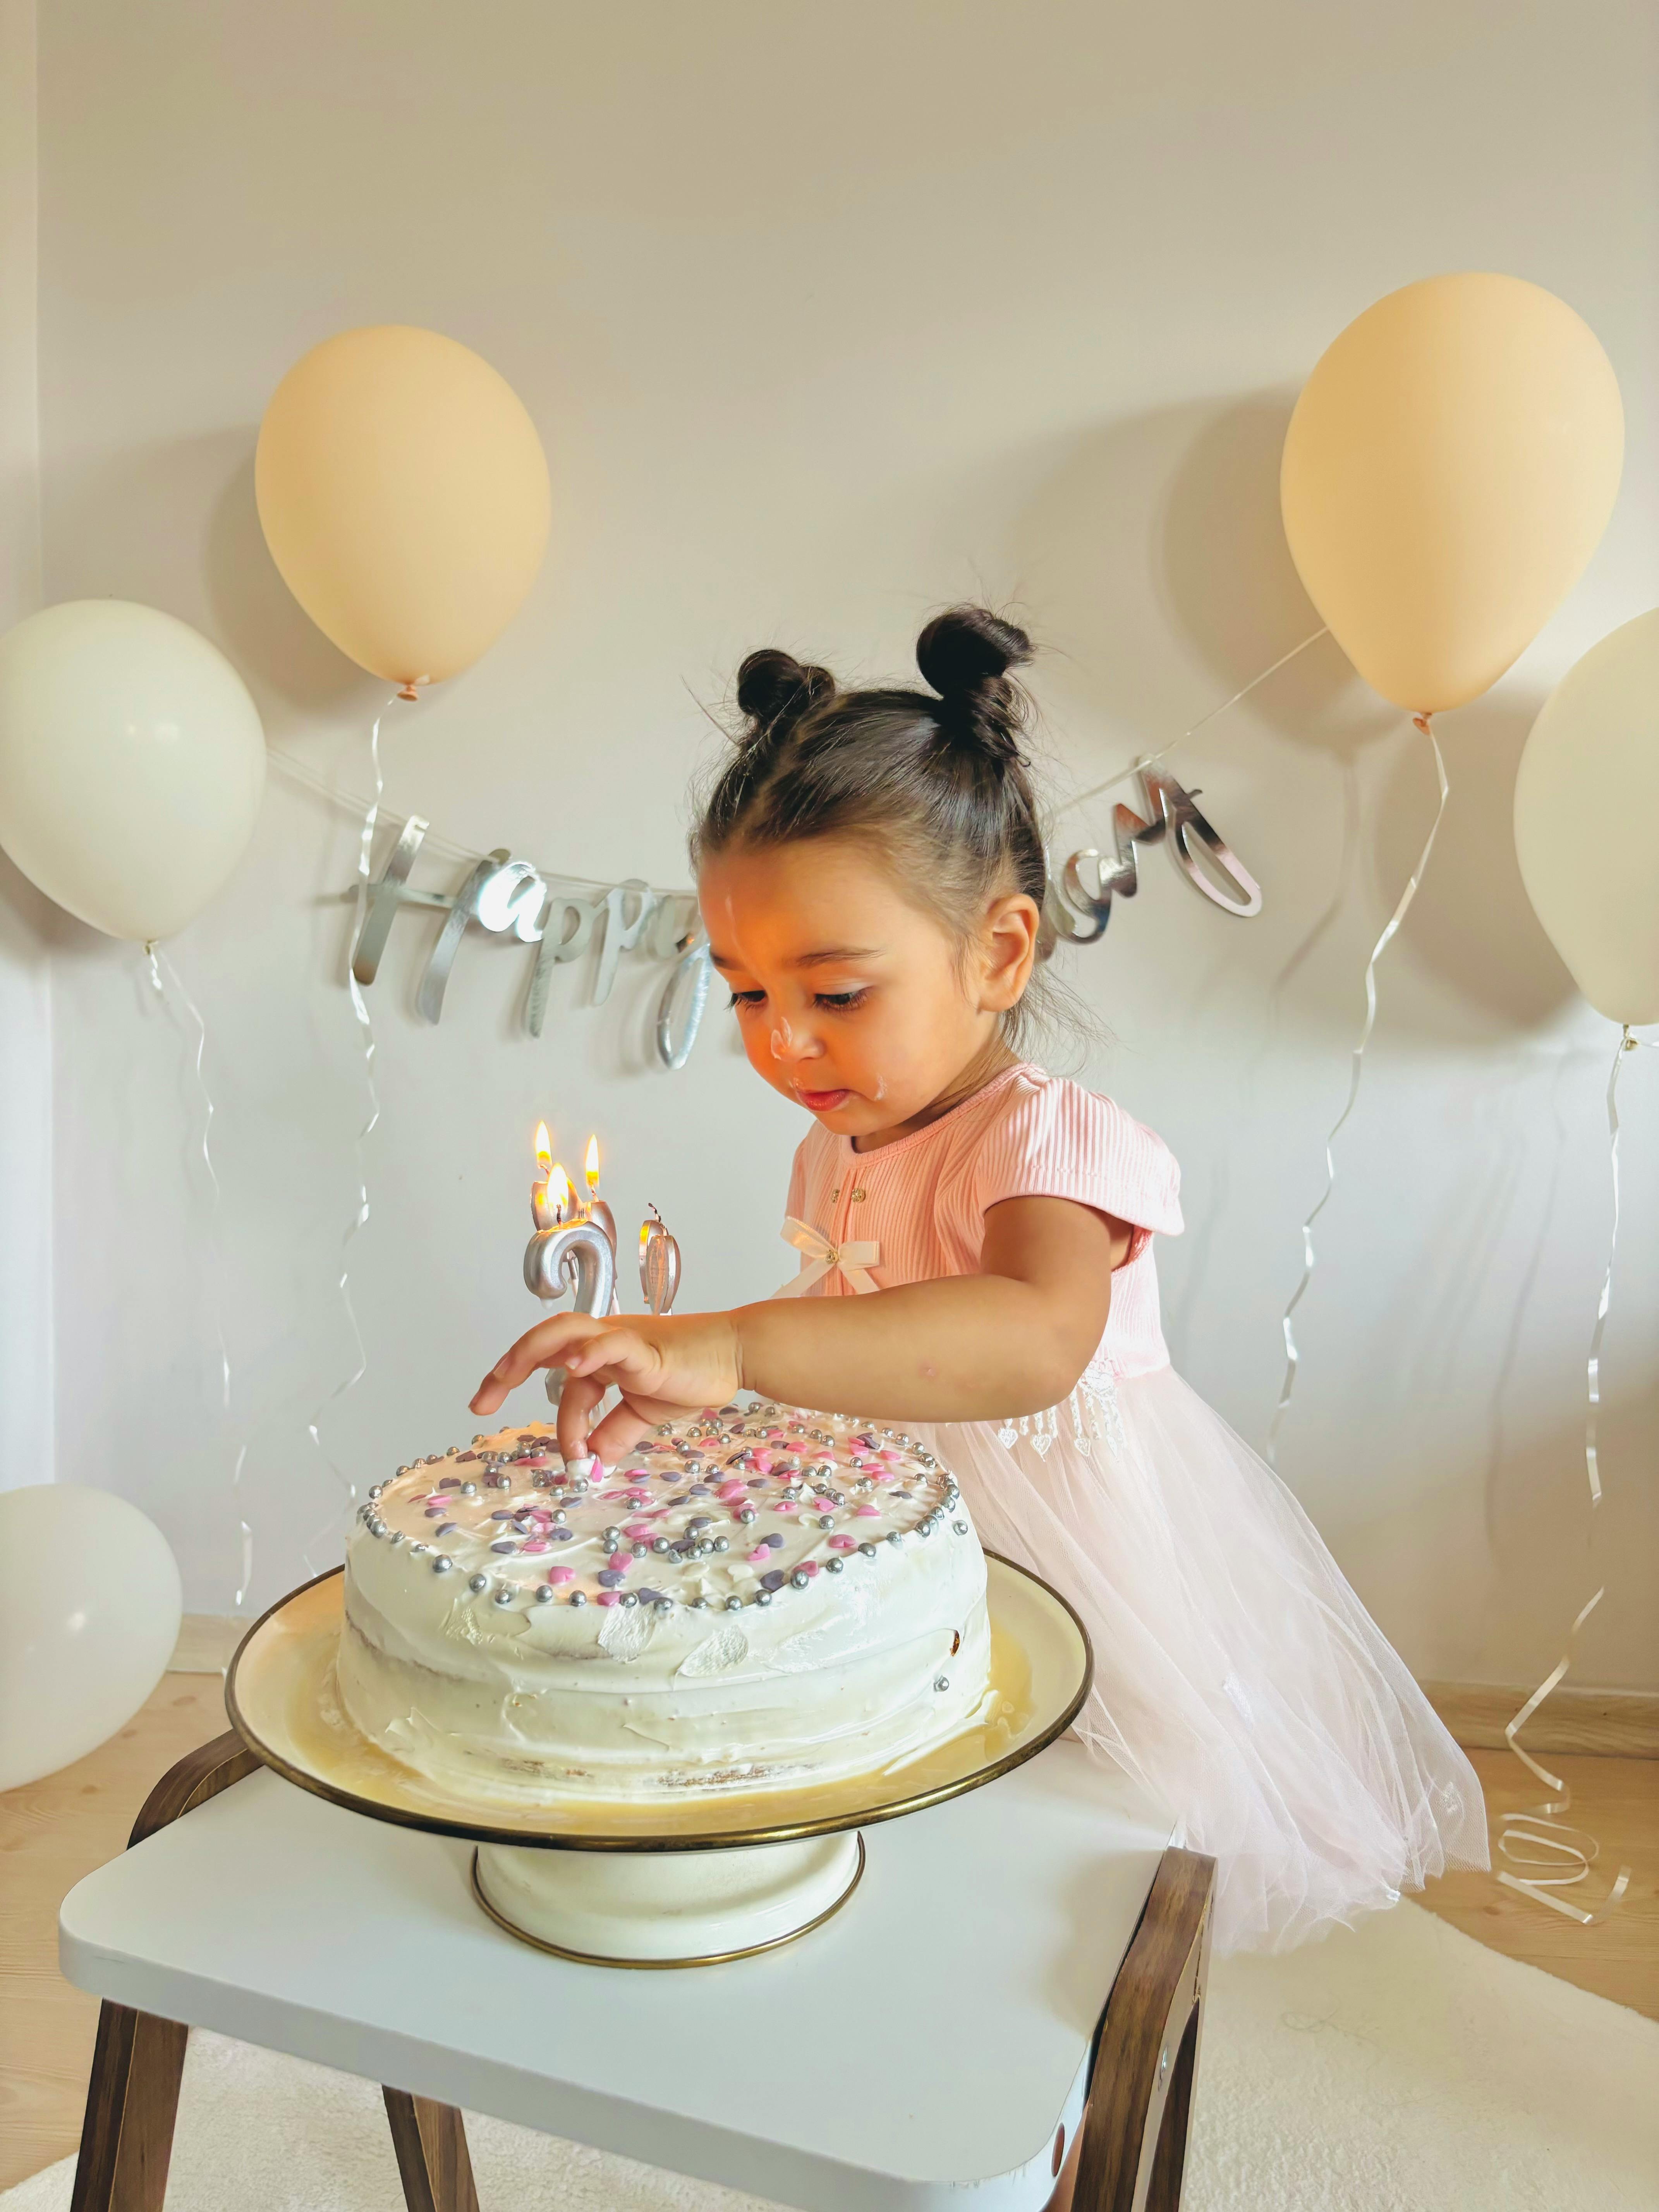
x=852 y=1000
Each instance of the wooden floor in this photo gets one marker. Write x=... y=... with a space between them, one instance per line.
x=54 y=1831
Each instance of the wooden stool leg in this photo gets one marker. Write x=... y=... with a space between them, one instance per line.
x=126 y=2138
x=430 y=2141
x=1133 y=2146
x=132 y=2098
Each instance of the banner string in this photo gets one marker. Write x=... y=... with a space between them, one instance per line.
x=1150 y=760
x=360 y=1210
x=1537 y=1837
x=353 y=803
x=161 y=974
x=1293 y=1355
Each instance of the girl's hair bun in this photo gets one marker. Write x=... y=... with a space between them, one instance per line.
x=774 y=690
x=966 y=648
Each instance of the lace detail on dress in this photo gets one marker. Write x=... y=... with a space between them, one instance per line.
x=1093 y=1410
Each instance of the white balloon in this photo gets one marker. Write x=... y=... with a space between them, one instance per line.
x=1586 y=807
x=89 y=1609
x=132 y=764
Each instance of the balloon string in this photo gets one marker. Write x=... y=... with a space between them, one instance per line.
x=163 y=972
x=1293 y=1355
x=1537 y=1838
x=1148 y=760
x=360 y=1210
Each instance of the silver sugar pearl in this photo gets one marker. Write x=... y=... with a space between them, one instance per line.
x=798 y=1581
x=420 y=1548
x=543 y=1592
x=961 y=1528
x=834 y=1566
x=631 y=1597
x=895 y=1537
x=734 y=1605
x=868 y=1550
x=397 y=1535
x=826 y=1520
x=763 y=1597
x=577 y=1597
x=503 y=1597
x=662 y=1605
x=746 y=1514
x=477 y=1582
x=443 y=1566
x=469 y=1490
x=720 y=1544
x=659 y=1544
x=943 y=1683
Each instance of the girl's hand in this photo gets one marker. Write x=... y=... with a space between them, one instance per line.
x=665 y=1368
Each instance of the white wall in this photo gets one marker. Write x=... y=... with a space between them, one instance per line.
x=827 y=316
x=26 y=1223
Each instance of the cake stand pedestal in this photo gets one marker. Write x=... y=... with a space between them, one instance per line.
x=682 y=1883
x=667 y=1908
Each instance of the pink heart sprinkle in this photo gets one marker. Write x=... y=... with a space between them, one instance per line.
x=867 y=1513
x=636 y=1527
x=808 y=1567
x=843 y=1543
x=730 y=1489
x=785 y=1505
x=608 y=1597
x=535 y=1544
x=763 y=1461
x=761 y=1552
x=620 y=1560
x=608 y=1495
x=889 y=1454
x=826 y=1504
x=562 y=1574
x=541 y=1460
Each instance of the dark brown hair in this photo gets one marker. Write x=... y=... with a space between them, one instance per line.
x=937 y=780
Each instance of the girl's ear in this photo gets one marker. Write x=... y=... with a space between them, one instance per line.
x=1008 y=949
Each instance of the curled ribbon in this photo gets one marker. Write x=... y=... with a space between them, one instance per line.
x=821 y=1257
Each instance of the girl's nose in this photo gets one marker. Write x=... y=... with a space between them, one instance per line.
x=794 y=1040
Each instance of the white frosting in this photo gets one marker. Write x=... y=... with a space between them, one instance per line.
x=511 y=1629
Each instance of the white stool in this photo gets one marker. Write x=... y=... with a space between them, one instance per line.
x=1009 y=1957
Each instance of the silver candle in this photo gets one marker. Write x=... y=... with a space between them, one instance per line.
x=659 y=1264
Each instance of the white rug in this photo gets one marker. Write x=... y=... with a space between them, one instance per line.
x=1405 y=2069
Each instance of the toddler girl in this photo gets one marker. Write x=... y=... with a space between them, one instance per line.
x=872 y=877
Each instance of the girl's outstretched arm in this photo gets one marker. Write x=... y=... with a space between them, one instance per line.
x=1011 y=1340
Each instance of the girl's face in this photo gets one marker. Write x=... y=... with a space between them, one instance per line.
x=852 y=1001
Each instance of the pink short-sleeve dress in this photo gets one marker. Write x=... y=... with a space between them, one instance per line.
x=1237 y=1676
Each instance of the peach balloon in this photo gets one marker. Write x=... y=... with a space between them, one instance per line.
x=1449 y=470
x=403 y=495
x=1586 y=801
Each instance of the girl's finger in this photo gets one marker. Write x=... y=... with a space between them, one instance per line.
x=581 y=1394
x=547 y=1344
x=619 y=1432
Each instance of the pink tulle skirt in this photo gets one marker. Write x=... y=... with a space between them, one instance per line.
x=1237 y=1676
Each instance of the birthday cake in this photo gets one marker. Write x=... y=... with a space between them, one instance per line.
x=753 y=1600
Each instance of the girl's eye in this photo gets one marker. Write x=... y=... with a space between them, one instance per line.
x=842 y=1002
x=748 y=998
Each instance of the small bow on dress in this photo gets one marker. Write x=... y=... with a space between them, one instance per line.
x=854 y=1261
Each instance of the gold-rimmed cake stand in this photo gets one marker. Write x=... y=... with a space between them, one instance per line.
x=678 y=1881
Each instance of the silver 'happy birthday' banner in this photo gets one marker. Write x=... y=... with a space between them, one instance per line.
x=510 y=898
x=507 y=897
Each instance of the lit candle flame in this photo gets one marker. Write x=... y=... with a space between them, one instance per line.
x=591 y=1167
x=561 y=1193
x=543 y=1150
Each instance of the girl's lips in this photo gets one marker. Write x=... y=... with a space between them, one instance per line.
x=822 y=1102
